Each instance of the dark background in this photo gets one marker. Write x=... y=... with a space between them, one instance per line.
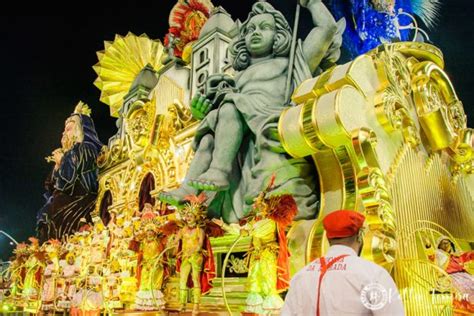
x=46 y=68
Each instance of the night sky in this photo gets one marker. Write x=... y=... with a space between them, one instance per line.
x=47 y=68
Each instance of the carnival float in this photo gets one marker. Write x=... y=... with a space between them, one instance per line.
x=231 y=147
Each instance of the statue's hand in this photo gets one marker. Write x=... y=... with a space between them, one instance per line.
x=58 y=156
x=275 y=141
x=200 y=106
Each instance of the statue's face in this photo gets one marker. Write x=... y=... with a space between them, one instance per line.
x=70 y=260
x=71 y=132
x=445 y=245
x=260 y=36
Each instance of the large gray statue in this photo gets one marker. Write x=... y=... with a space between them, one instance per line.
x=237 y=148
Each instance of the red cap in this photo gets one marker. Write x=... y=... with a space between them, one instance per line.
x=342 y=223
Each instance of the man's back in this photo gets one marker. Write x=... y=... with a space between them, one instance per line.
x=351 y=286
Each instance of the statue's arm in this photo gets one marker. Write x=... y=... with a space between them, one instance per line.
x=320 y=38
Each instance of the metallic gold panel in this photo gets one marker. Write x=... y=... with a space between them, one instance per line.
x=291 y=135
x=360 y=73
x=334 y=115
x=389 y=139
x=312 y=88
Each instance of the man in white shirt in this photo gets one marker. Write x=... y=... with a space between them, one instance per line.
x=342 y=283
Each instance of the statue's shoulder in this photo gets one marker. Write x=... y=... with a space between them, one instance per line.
x=86 y=146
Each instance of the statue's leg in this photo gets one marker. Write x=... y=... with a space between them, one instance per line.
x=199 y=164
x=228 y=138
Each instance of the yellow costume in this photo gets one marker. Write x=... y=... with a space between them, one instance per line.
x=262 y=275
x=33 y=277
x=191 y=262
x=150 y=268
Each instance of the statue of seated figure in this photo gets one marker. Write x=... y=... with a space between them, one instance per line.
x=237 y=147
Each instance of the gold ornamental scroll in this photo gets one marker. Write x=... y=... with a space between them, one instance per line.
x=388 y=136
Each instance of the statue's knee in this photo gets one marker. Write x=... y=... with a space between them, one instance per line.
x=227 y=111
x=207 y=142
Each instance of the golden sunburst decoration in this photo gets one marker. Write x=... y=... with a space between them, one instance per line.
x=119 y=64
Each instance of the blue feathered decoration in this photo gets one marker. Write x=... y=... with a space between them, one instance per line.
x=374 y=22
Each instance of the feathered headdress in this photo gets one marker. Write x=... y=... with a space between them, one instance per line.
x=149 y=221
x=374 y=22
x=33 y=241
x=427 y=10
x=55 y=242
x=194 y=205
x=21 y=248
x=280 y=208
x=186 y=20
x=51 y=247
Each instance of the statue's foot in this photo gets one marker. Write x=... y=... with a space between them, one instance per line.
x=211 y=180
x=250 y=198
x=174 y=197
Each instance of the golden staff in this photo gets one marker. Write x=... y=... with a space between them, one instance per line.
x=292 y=52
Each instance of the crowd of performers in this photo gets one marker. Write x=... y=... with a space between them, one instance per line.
x=127 y=262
